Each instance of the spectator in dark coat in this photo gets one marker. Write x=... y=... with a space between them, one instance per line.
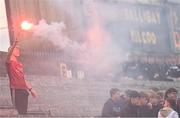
x=154 y=104
x=131 y=109
x=144 y=109
x=111 y=107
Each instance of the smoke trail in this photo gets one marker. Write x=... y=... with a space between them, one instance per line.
x=53 y=32
x=98 y=50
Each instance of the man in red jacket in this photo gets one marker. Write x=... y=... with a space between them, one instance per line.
x=19 y=87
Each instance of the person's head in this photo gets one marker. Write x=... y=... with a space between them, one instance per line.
x=169 y=102
x=134 y=98
x=144 y=98
x=127 y=94
x=153 y=98
x=161 y=97
x=115 y=94
x=171 y=93
x=160 y=94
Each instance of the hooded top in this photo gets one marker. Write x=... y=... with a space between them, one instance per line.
x=167 y=112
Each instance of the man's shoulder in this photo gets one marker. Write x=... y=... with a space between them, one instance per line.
x=108 y=102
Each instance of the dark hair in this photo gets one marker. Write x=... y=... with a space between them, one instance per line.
x=134 y=94
x=143 y=95
x=113 y=91
x=170 y=90
x=128 y=92
x=160 y=94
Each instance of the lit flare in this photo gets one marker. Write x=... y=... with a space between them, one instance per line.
x=25 y=25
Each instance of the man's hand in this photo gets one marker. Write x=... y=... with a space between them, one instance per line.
x=33 y=93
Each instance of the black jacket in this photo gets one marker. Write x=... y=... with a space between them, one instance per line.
x=129 y=111
x=111 y=109
x=144 y=111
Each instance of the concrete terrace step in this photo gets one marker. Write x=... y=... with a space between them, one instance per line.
x=6 y=111
x=9 y=111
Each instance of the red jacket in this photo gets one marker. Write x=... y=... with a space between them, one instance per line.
x=16 y=75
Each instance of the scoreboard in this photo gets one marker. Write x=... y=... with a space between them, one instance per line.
x=138 y=27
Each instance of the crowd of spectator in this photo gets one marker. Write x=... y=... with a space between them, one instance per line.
x=132 y=103
x=151 y=71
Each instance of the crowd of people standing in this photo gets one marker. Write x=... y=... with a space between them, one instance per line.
x=133 y=103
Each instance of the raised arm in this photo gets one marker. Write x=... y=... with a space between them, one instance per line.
x=10 y=51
